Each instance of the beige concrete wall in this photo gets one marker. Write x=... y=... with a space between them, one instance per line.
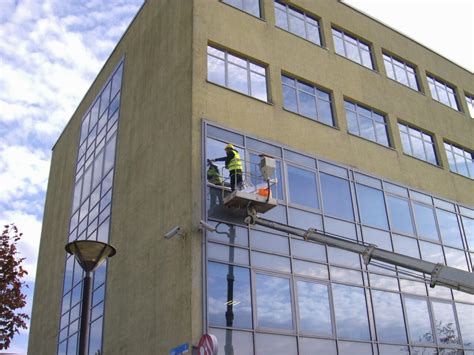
x=283 y=51
x=148 y=303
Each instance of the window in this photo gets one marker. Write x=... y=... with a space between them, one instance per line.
x=314 y=310
x=273 y=302
x=470 y=104
x=400 y=71
x=445 y=324
x=366 y=123
x=419 y=324
x=307 y=100
x=443 y=93
x=302 y=187
x=352 y=48
x=460 y=161
x=371 y=207
x=250 y=6
x=388 y=317
x=336 y=194
x=236 y=73
x=351 y=312
x=297 y=22
x=218 y=295
x=417 y=143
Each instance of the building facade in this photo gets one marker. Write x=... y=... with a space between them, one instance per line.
x=372 y=135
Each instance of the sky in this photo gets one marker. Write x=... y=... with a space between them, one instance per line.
x=51 y=51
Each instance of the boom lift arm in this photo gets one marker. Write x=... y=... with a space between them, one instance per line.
x=440 y=274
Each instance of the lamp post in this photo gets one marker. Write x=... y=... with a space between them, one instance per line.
x=89 y=254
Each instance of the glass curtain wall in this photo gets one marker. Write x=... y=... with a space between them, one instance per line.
x=91 y=213
x=274 y=293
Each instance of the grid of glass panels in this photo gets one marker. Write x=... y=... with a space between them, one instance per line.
x=251 y=7
x=273 y=293
x=442 y=92
x=91 y=212
x=417 y=143
x=297 y=22
x=366 y=123
x=400 y=71
x=352 y=48
x=236 y=73
x=470 y=105
x=460 y=160
x=307 y=100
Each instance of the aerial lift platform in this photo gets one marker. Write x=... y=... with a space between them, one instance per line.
x=260 y=201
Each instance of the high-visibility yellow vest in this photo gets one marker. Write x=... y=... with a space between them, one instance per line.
x=235 y=163
x=213 y=177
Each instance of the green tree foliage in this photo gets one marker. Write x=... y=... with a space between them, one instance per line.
x=12 y=298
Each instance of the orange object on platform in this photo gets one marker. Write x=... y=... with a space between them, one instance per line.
x=263 y=192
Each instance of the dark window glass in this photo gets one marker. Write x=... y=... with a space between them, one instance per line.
x=221 y=280
x=314 y=310
x=371 y=207
x=273 y=302
x=337 y=199
x=351 y=312
x=388 y=317
x=302 y=187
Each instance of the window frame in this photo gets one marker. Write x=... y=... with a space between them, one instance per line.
x=470 y=104
x=242 y=8
x=288 y=10
x=247 y=68
x=395 y=61
x=342 y=35
x=435 y=84
x=317 y=99
x=372 y=119
x=452 y=157
x=409 y=128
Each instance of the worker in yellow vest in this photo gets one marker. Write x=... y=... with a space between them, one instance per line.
x=214 y=178
x=233 y=163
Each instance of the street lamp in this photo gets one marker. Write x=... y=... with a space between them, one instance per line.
x=89 y=254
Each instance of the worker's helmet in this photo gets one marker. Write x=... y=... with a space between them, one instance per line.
x=229 y=146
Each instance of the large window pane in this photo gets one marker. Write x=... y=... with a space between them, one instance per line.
x=425 y=221
x=449 y=228
x=302 y=187
x=400 y=217
x=308 y=346
x=371 y=207
x=337 y=199
x=419 y=323
x=224 y=280
x=314 y=310
x=465 y=314
x=431 y=252
x=273 y=302
x=388 y=317
x=445 y=324
x=351 y=312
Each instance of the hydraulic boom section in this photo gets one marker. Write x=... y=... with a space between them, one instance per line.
x=440 y=274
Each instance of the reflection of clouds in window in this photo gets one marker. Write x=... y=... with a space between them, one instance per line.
x=431 y=252
x=388 y=317
x=314 y=311
x=466 y=323
x=217 y=295
x=273 y=302
x=351 y=312
x=445 y=324
x=456 y=258
x=418 y=320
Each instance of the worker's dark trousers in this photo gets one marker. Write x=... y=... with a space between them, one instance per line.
x=235 y=179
